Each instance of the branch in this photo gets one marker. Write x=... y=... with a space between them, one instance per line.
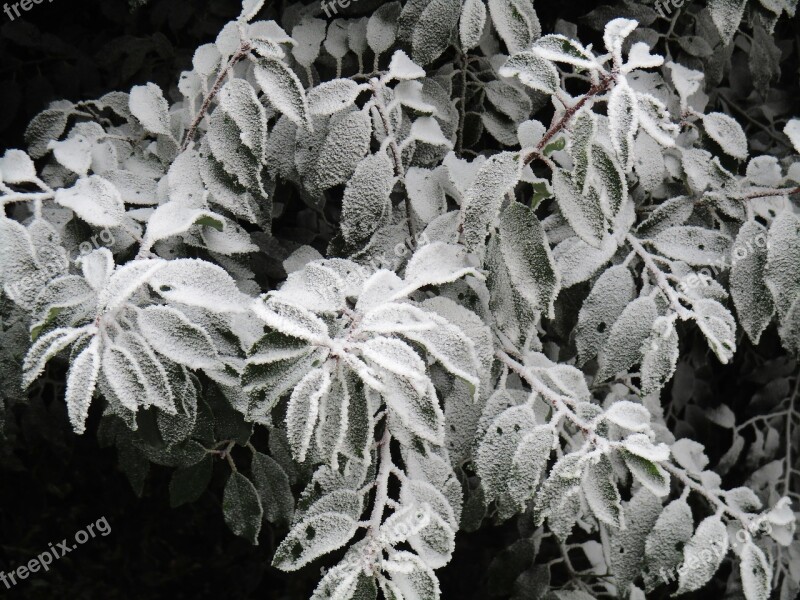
x=770 y=193
x=661 y=279
x=243 y=51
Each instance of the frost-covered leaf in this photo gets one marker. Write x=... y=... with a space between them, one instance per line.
x=125 y=280
x=584 y=214
x=611 y=293
x=654 y=118
x=170 y=333
x=783 y=256
x=345 y=145
x=402 y=68
x=686 y=81
x=199 y=283
x=693 y=245
x=526 y=253
x=433 y=29
x=726 y=16
x=291 y=320
x=756 y=572
x=436 y=263
x=428 y=131
x=528 y=463
x=652 y=476
x=532 y=70
x=239 y=100
x=151 y=109
x=173 y=218
x=659 y=355
x=663 y=549
x=313 y=537
x=718 y=326
x=623 y=121
x=628 y=415
x=412 y=579
x=81 y=382
x=417 y=407
x=303 y=410
x=751 y=296
x=623 y=347
x=45 y=127
x=121 y=370
x=473 y=20
x=332 y=96
x=516 y=22
x=601 y=493
x=17 y=167
x=727 y=132
x=382 y=27
x=703 y=554
x=94 y=200
x=250 y=9
x=45 y=348
x=560 y=48
x=316 y=287
x=283 y=90
x=482 y=200
x=242 y=508
x=792 y=131
x=366 y=197
x=614 y=36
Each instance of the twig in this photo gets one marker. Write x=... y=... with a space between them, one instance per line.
x=661 y=279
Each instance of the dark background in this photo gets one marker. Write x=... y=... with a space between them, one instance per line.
x=53 y=483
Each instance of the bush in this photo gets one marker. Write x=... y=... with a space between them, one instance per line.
x=349 y=264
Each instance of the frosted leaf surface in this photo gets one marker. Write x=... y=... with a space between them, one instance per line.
x=516 y=23
x=17 y=167
x=428 y=131
x=639 y=57
x=584 y=214
x=652 y=476
x=273 y=488
x=726 y=16
x=308 y=36
x=655 y=119
x=303 y=410
x=122 y=372
x=126 y=280
x=148 y=105
x=433 y=29
x=415 y=580
x=623 y=121
x=133 y=188
x=792 y=131
x=628 y=545
x=577 y=261
x=611 y=293
x=154 y=375
x=703 y=554
x=418 y=409
x=436 y=263
x=291 y=320
x=601 y=492
x=783 y=256
x=94 y=200
x=242 y=508
x=45 y=348
x=528 y=463
x=473 y=20
x=199 y=283
x=283 y=90
x=756 y=572
x=332 y=96
x=336 y=39
x=532 y=70
x=660 y=355
x=629 y=415
x=693 y=245
x=239 y=100
x=686 y=81
x=751 y=296
x=345 y=146
x=727 y=132
x=482 y=200
x=172 y=219
x=671 y=531
x=425 y=193
x=170 y=333
x=623 y=348
x=498 y=448
x=560 y=48
x=718 y=326
x=316 y=288
x=397 y=357
x=81 y=382
x=382 y=27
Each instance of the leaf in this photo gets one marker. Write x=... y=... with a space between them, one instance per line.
x=614 y=35
x=94 y=200
x=601 y=492
x=170 y=333
x=45 y=348
x=473 y=20
x=17 y=167
x=311 y=538
x=283 y=90
x=655 y=119
x=125 y=280
x=242 y=507
x=749 y=290
x=366 y=198
x=527 y=255
x=628 y=415
x=584 y=214
x=250 y=9
x=291 y=320
x=560 y=48
x=148 y=105
x=650 y=475
x=173 y=218
x=611 y=293
x=273 y=488
x=482 y=200
x=345 y=145
x=792 y=131
x=195 y=282
x=45 y=127
x=663 y=548
x=124 y=375
x=382 y=27
x=188 y=484
x=727 y=132
x=428 y=131
x=623 y=121
x=628 y=545
x=660 y=355
x=332 y=96
x=783 y=256
x=726 y=16
x=417 y=409
x=623 y=349
x=532 y=70
x=718 y=326
x=81 y=382
x=239 y=100
x=703 y=554
x=696 y=246
x=528 y=463
x=756 y=572
x=414 y=580
x=432 y=31
x=516 y=23
x=303 y=410
x=435 y=263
